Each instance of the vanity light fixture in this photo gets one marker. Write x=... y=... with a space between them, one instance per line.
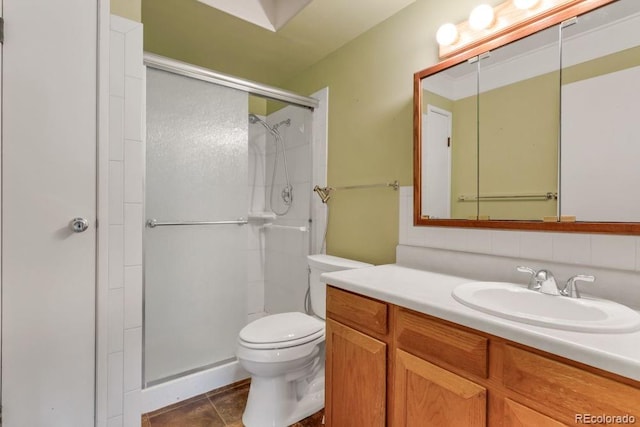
x=486 y=22
x=482 y=17
x=447 y=34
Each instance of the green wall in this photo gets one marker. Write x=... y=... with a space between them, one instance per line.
x=370 y=84
x=130 y=9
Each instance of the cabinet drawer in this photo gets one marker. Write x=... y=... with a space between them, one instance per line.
x=361 y=313
x=442 y=344
x=569 y=389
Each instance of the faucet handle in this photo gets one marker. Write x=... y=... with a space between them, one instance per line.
x=571 y=288
x=533 y=284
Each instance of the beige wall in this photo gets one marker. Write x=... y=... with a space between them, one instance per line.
x=519 y=128
x=464 y=157
x=370 y=84
x=130 y=9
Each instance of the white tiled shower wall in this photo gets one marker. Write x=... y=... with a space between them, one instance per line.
x=256 y=243
x=286 y=249
x=277 y=257
x=610 y=257
x=126 y=172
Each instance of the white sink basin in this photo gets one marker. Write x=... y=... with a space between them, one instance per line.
x=515 y=302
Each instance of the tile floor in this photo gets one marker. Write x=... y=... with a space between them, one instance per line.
x=222 y=407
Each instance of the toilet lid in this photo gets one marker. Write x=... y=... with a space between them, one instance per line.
x=278 y=328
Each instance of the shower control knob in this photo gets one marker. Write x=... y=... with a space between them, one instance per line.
x=78 y=225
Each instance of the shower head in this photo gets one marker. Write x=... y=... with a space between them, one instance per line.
x=253 y=119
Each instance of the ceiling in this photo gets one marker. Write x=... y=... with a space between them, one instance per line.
x=269 y=14
x=194 y=32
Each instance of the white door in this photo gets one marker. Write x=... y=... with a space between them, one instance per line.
x=48 y=178
x=436 y=162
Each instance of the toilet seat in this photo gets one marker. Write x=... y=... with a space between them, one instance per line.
x=282 y=330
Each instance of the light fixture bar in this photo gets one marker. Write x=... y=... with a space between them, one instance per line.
x=507 y=17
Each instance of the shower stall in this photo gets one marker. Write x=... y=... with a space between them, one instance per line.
x=228 y=207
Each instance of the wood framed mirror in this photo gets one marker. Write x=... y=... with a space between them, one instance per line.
x=534 y=128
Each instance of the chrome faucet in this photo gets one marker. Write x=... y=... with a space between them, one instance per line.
x=544 y=282
x=541 y=281
x=533 y=284
x=571 y=289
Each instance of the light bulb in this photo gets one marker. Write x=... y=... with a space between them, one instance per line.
x=481 y=17
x=447 y=34
x=525 y=4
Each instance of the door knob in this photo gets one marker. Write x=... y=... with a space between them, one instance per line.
x=78 y=225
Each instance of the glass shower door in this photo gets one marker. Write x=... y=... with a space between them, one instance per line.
x=195 y=275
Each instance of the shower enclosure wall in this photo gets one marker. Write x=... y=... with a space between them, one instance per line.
x=206 y=162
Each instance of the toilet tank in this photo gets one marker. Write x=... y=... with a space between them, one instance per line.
x=319 y=264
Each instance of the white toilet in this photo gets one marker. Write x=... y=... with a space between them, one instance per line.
x=284 y=353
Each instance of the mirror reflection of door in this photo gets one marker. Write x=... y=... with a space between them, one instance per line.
x=449 y=108
x=436 y=162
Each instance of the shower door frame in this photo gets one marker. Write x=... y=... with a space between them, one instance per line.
x=158 y=62
x=161 y=63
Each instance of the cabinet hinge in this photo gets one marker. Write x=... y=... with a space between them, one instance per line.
x=1 y=30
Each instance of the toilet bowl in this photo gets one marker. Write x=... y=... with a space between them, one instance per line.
x=284 y=353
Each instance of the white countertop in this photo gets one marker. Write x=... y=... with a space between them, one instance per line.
x=430 y=293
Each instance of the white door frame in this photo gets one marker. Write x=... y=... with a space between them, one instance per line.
x=102 y=212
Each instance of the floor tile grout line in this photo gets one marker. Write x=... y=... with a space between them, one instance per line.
x=217 y=412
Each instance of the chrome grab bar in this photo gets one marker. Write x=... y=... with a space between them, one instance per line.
x=508 y=197
x=285 y=227
x=325 y=192
x=393 y=185
x=152 y=223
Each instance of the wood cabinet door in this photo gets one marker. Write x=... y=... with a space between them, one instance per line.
x=355 y=378
x=517 y=415
x=427 y=395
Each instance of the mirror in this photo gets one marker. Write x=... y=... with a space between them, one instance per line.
x=518 y=101
x=600 y=108
x=538 y=133
x=450 y=141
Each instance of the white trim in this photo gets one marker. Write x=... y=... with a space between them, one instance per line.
x=182 y=388
x=102 y=213
x=1 y=125
x=320 y=148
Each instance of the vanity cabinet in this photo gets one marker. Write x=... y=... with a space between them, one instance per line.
x=356 y=360
x=425 y=394
x=387 y=365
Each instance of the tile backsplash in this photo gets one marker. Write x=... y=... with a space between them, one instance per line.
x=598 y=250
x=493 y=254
